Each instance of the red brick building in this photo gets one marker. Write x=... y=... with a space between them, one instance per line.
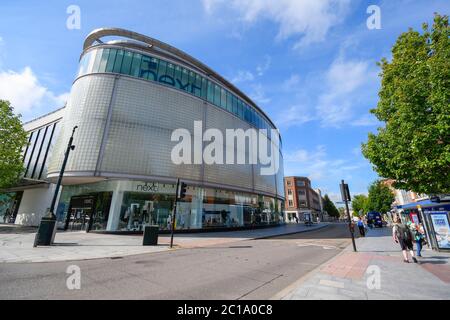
x=302 y=201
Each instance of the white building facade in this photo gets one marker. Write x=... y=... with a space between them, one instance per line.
x=129 y=96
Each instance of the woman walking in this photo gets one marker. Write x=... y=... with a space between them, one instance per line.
x=403 y=236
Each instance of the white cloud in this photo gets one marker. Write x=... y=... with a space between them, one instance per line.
x=262 y=68
x=243 y=76
x=293 y=116
x=25 y=92
x=318 y=166
x=292 y=83
x=344 y=82
x=311 y=20
x=258 y=94
x=367 y=120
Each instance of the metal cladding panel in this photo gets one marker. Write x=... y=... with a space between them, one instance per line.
x=230 y=174
x=144 y=115
x=280 y=178
x=137 y=133
x=87 y=108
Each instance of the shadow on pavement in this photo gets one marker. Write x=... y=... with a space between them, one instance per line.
x=15 y=229
x=426 y=261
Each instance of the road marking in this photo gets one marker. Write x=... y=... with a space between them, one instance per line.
x=334 y=284
x=318 y=245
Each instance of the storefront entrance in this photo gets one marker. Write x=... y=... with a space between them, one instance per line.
x=80 y=213
x=89 y=212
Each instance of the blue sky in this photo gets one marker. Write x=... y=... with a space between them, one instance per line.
x=311 y=65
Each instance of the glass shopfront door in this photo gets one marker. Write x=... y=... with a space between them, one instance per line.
x=80 y=212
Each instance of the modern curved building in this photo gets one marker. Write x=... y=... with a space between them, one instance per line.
x=130 y=94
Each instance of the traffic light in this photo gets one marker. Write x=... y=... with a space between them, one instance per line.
x=183 y=187
x=345 y=192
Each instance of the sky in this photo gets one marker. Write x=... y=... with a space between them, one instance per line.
x=311 y=65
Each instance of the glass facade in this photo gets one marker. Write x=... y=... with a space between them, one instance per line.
x=36 y=154
x=114 y=60
x=125 y=205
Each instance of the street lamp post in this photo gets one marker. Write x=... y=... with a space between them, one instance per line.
x=70 y=146
x=47 y=226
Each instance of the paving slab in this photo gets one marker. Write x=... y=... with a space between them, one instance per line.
x=376 y=271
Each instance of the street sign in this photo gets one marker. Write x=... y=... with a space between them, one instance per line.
x=345 y=192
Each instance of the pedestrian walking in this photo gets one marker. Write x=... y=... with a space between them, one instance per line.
x=403 y=236
x=419 y=237
x=361 y=227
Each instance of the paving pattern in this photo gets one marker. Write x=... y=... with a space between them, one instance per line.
x=351 y=275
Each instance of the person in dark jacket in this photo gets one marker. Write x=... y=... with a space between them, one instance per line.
x=403 y=236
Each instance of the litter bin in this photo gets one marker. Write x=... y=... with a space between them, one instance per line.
x=150 y=236
x=45 y=232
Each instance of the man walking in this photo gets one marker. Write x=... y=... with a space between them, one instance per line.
x=361 y=227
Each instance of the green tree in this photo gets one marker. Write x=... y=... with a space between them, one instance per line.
x=359 y=203
x=329 y=207
x=380 y=197
x=12 y=140
x=413 y=147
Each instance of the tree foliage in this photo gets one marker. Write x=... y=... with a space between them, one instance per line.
x=380 y=197
x=329 y=207
x=413 y=147
x=359 y=204
x=12 y=140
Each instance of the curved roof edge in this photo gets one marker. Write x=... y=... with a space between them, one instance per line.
x=97 y=34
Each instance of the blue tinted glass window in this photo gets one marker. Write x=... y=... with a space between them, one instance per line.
x=136 y=65
x=223 y=98
x=111 y=59
x=86 y=63
x=191 y=78
x=210 y=92
x=184 y=79
x=246 y=113
x=118 y=62
x=217 y=95
x=234 y=102
x=241 y=109
x=162 y=69
x=148 y=68
x=170 y=70
x=126 y=64
x=98 y=58
x=204 y=88
x=82 y=67
x=104 y=60
x=197 y=86
x=178 y=77
x=254 y=120
x=229 y=102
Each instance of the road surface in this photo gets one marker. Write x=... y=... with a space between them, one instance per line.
x=252 y=269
